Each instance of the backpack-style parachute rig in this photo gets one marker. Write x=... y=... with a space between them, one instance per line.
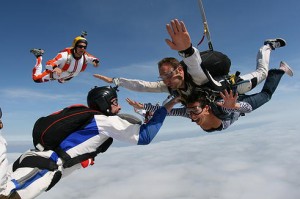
x=216 y=66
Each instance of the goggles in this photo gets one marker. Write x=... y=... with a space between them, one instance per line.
x=196 y=110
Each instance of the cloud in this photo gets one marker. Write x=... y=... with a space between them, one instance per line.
x=255 y=158
x=235 y=165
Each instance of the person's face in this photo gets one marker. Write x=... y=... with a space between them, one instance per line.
x=80 y=48
x=115 y=107
x=196 y=113
x=173 y=78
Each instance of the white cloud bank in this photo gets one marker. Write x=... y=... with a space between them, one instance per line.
x=237 y=165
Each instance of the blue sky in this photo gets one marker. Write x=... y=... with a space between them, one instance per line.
x=128 y=37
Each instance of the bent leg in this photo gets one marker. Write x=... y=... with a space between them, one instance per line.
x=33 y=173
x=262 y=67
x=259 y=99
x=37 y=75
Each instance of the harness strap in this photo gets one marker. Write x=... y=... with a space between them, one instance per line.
x=35 y=161
x=68 y=62
x=39 y=166
x=84 y=65
x=69 y=162
x=55 y=179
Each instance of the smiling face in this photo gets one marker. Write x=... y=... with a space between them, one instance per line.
x=173 y=78
x=171 y=73
x=198 y=113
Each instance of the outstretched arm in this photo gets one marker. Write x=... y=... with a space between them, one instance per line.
x=180 y=38
x=104 y=78
x=149 y=131
x=153 y=108
x=135 y=104
x=181 y=41
x=135 y=84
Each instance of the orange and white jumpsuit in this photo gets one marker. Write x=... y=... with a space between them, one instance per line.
x=64 y=60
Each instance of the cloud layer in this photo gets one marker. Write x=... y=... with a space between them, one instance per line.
x=246 y=164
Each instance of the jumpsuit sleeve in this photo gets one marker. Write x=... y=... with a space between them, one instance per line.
x=91 y=58
x=244 y=108
x=234 y=117
x=122 y=130
x=173 y=112
x=141 y=85
x=57 y=61
x=236 y=113
x=193 y=63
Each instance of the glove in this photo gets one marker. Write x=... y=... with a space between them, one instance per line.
x=96 y=61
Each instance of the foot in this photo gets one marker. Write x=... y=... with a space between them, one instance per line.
x=286 y=68
x=37 y=52
x=275 y=43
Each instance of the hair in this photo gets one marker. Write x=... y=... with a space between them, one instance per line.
x=169 y=60
x=198 y=96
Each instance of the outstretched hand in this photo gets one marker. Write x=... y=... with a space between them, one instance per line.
x=180 y=38
x=104 y=78
x=230 y=100
x=135 y=104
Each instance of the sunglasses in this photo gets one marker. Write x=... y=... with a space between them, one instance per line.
x=196 y=110
x=168 y=75
x=81 y=46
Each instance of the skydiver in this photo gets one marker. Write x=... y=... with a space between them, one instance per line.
x=173 y=77
x=67 y=64
x=219 y=115
x=38 y=171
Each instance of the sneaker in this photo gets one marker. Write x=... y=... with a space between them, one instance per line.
x=243 y=87
x=275 y=43
x=286 y=68
x=37 y=52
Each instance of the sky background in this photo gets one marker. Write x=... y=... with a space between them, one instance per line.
x=254 y=156
x=128 y=37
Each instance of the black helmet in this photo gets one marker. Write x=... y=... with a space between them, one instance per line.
x=99 y=98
